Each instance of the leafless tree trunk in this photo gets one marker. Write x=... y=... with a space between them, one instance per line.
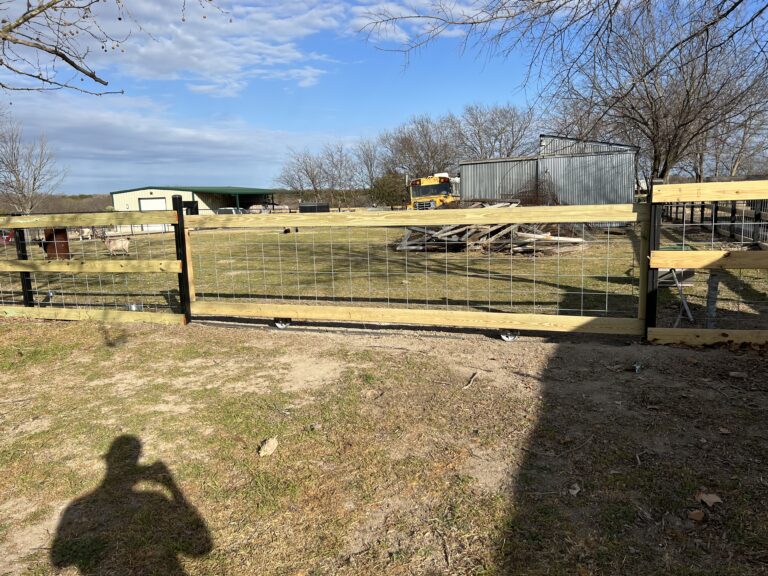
x=28 y=171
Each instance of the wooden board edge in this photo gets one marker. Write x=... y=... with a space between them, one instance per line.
x=412 y=316
x=704 y=337
x=92 y=267
x=526 y=215
x=711 y=191
x=92 y=314
x=710 y=259
x=88 y=219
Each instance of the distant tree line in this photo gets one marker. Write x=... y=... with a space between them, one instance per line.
x=375 y=169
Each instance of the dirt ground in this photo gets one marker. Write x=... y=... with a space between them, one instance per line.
x=399 y=452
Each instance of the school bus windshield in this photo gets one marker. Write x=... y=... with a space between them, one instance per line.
x=443 y=188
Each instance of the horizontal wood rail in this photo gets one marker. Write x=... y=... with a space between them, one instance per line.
x=703 y=337
x=525 y=215
x=709 y=259
x=92 y=266
x=711 y=191
x=457 y=318
x=97 y=314
x=89 y=219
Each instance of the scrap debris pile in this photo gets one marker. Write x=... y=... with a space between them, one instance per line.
x=541 y=239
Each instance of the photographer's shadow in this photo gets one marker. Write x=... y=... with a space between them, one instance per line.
x=136 y=522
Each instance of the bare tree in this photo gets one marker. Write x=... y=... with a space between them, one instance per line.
x=566 y=37
x=368 y=155
x=492 y=131
x=710 y=82
x=29 y=174
x=47 y=46
x=303 y=173
x=339 y=173
x=420 y=147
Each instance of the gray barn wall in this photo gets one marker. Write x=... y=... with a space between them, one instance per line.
x=498 y=180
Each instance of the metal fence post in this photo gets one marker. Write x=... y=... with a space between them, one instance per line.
x=654 y=240
x=181 y=254
x=27 y=293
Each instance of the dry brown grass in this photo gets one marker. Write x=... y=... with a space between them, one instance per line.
x=389 y=463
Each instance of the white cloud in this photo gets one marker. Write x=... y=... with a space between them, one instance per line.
x=122 y=142
x=219 y=50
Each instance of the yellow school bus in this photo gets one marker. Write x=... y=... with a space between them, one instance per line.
x=432 y=192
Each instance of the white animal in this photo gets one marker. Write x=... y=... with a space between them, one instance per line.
x=115 y=245
x=86 y=234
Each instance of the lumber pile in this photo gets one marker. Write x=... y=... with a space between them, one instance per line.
x=506 y=238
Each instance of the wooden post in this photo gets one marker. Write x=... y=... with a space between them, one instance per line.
x=27 y=293
x=181 y=254
x=643 y=261
x=654 y=240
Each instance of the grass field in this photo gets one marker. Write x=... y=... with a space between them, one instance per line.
x=362 y=266
x=398 y=453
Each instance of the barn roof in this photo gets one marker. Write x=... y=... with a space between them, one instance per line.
x=223 y=190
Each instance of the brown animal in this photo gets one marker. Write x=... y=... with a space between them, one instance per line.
x=55 y=243
x=115 y=245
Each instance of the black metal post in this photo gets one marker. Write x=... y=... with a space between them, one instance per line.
x=732 y=227
x=181 y=254
x=654 y=241
x=27 y=293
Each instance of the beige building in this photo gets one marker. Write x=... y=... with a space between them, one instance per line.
x=209 y=198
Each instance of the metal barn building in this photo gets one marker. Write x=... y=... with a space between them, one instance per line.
x=208 y=198
x=565 y=172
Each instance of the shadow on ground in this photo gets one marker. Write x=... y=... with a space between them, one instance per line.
x=136 y=521
x=627 y=439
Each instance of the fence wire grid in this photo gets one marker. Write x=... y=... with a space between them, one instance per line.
x=728 y=299
x=590 y=272
x=124 y=291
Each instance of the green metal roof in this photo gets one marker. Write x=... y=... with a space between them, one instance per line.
x=228 y=190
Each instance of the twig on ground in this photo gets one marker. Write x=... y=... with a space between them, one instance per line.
x=471 y=381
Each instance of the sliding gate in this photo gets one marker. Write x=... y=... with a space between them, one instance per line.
x=558 y=268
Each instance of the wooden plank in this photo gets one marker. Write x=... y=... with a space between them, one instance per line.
x=721 y=259
x=703 y=337
x=458 y=318
x=89 y=219
x=711 y=191
x=526 y=215
x=92 y=266
x=99 y=315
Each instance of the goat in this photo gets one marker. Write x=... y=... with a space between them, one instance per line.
x=86 y=234
x=115 y=245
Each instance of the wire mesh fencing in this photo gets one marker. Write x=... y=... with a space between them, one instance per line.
x=558 y=269
x=148 y=292
x=729 y=298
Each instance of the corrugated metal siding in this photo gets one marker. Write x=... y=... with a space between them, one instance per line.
x=558 y=145
x=498 y=180
x=588 y=179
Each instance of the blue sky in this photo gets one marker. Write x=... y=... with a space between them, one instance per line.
x=220 y=100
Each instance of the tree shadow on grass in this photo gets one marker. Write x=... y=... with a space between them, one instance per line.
x=137 y=521
x=609 y=479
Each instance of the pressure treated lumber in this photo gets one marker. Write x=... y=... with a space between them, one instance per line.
x=703 y=337
x=524 y=215
x=458 y=318
x=99 y=315
x=92 y=266
x=720 y=259
x=89 y=219
x=710 y=191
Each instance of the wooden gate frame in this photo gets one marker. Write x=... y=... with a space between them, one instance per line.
x=704 y=259
x=460 y=318
x=75 y=266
